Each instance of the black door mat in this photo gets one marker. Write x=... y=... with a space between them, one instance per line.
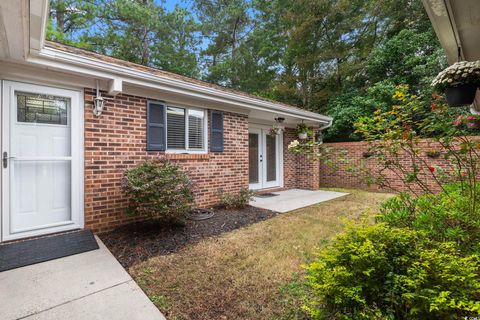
x=266 y=195
x=24 y=253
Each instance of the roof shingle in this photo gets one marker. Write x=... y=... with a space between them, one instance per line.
x=153 y=71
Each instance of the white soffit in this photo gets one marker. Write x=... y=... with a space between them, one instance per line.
x=39 y=10
x=14 y=33
x=457 y=24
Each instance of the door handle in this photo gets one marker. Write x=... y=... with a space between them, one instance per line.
x=5 y=158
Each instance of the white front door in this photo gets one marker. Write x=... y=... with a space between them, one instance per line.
x=265 y=153
x=41 y=159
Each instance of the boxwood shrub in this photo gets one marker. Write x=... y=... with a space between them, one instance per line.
x=451 y=215
x=382 y=272
x=158 y=189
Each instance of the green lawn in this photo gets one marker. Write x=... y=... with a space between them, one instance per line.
x=240 y=275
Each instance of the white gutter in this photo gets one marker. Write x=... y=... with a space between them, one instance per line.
x=328 y=125
x=70 y=62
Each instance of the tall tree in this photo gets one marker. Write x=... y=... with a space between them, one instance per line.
x=340 y=57
x=69 y=17
x=140 y=31
x=328 y=42
x=226 y=26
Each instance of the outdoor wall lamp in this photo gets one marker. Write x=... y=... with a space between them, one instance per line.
x=98 y=103
x=279 y=120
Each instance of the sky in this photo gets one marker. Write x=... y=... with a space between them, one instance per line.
x=170 y=4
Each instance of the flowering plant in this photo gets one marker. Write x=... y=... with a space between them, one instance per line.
x=399 y=133
x=463 y=72
x=293 y=145
x=302 y=128
x=470 y=121
x=274 y=130
x=309 y=148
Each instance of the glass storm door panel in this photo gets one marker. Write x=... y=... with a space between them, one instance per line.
x=38 y=164
x=271 y=158
x=270 y=163
x=254 y=159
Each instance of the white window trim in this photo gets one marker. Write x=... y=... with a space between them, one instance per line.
x=204 y=150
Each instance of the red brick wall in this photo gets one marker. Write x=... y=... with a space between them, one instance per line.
x=116 y=140
x=299 y=172
x=340 y=176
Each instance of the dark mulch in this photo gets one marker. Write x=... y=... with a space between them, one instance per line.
x=140 y=241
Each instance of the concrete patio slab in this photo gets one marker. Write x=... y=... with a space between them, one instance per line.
x=90 y=285
x=293 y=199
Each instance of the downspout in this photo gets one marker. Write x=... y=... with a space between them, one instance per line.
x=326 y=126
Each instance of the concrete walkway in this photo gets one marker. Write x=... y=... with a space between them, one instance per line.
x=293 y=199
x=91 y=285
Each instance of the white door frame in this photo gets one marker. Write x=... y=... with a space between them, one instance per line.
x=262 y=131
x=8 y=102
x=259 y=184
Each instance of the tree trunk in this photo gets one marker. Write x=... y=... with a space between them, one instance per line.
x=338 y=76
x=145 y=46
x=234 y=37
x=234 y=78
x=60 y=11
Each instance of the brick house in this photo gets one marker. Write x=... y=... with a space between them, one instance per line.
x=64 y=156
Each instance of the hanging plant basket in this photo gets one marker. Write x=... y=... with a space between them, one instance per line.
x=433 y=153
x=367 y=154
x=302 y=135
x=459 y=82
x=303 y=131
x=461 y=95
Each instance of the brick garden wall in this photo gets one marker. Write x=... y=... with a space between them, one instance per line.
x=299 y=172
x=116 y=141
x=339 y=175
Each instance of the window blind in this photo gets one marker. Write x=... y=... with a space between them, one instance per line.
x=175 y=128
x=195 y=129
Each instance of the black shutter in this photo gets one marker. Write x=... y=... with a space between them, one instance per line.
x=216 y=131
x=156 y=126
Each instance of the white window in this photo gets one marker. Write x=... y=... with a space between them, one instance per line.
x=186 y=129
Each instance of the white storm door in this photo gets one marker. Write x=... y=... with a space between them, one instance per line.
x=264 y=153
x=41 y=156
x=255 y=161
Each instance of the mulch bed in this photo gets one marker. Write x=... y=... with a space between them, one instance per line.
x=140 y=241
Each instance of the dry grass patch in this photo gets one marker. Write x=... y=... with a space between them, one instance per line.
x=238 y=275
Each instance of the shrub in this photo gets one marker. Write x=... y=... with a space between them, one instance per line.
x=421 y=260
x=236 y=200
x=158 y=189
x=448 y=216
x=381 y=272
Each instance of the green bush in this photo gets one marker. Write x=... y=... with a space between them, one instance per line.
x=421 y=260
x=236 y=200
x=158 y=189
x=447 y=216
x=381 y=272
